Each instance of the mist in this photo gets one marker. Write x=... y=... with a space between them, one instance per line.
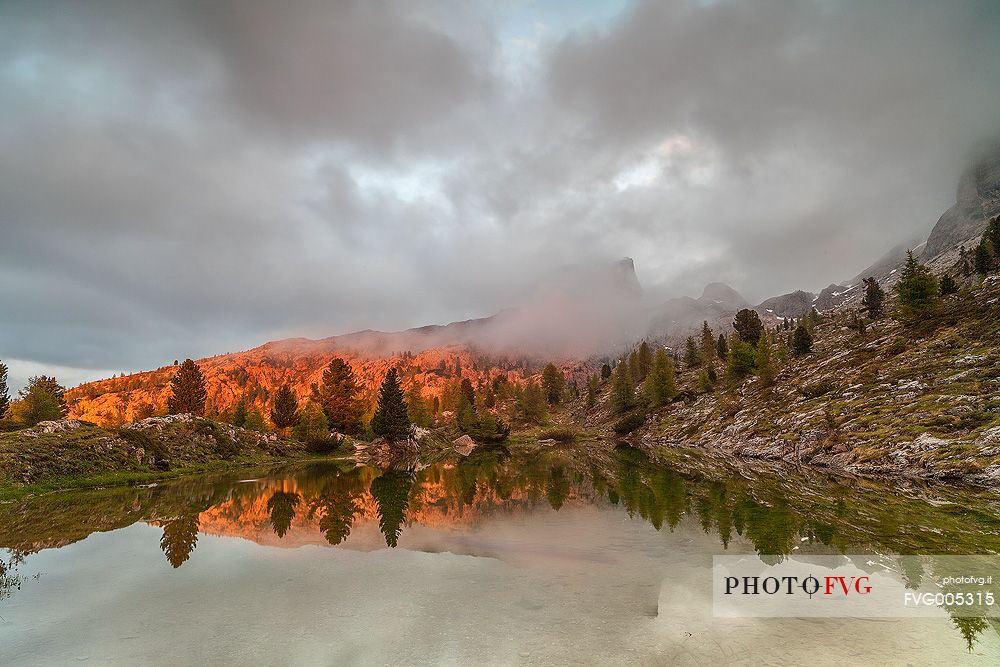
x=185 y=178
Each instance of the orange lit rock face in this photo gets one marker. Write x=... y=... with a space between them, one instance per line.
x=256 y=374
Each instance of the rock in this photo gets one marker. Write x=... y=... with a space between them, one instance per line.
x=464 y=445
x=54 y=426
x=159 y=422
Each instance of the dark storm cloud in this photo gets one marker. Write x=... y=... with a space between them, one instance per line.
x=185 y=178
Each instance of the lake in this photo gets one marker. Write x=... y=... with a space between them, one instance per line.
x=597 y=554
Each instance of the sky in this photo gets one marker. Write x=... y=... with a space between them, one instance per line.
x=180 y=179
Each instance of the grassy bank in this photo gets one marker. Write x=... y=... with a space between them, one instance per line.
x=74 y=454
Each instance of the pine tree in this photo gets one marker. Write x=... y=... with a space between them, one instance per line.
x=722 y=347
x=339 y=396
x=188 y=393
x=708 y=350
x=622 y=389
x=704 y=381
x=391 y=420
x=948 y=285
x=917 y=288
x=660 y=386
x=605 y=371
x=285 y=409
x=691 y=355
x=802 y=341
x=281 y=508
x=553 y=384
x=645 y=361
x=239 y=417
x=4 y=392
x=873 y=302
x=748 y=326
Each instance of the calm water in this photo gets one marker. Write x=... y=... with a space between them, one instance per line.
x=503 y=557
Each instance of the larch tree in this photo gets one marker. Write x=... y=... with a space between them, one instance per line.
x=188 y=392
x=708 y=351
x=659 y=386
x=622 y=388
x=645 y=361
x=692 y=357
x=391 y=420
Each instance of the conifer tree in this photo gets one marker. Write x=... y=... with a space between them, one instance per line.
x=948 y=285
x=722 y=347
x=765 y=369
x=188 y=393
x=312 y=427
x=339 y=396
x=4 y=392
x=704 y=381
x=917 y=288
x=255 y=421
x=708 y=350
x=605 y=371
x=37 y=402
x=873 y=302
x=622 y=389
x=659 y=386
x=285 y=409
x=633 y=365
x=691 y=355
x=592 y=384
x=553 y=384
x=748 y=326
x=417 y=408
x=983 y=258
x=531 y=404
x=740 y=363
x=802 y=341
x=239 y=417
x=391 y=420
x=645 y=361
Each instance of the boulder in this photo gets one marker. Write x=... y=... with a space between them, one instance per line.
x=464 y=445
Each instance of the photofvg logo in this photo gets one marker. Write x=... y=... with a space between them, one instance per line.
x=854 y=586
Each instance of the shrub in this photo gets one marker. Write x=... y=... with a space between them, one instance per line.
x=816 y=389
x=629 y=423
x=559 y=434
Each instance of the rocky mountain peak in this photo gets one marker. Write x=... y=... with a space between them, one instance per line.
x=723 y=294
x=976 y=202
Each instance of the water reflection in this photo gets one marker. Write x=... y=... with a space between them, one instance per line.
x=777 y=513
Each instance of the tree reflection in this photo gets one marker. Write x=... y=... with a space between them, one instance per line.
x=391 y=491
x=337 y=512
x=281 y=507
x=180 y=537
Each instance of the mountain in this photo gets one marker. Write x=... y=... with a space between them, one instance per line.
x=976 y=202
x=584 y=311
x=722 y=294
x=792 y=305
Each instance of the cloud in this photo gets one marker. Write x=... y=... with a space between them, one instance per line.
x=188 y=178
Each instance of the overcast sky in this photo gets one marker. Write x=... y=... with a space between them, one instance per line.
x=188 y=178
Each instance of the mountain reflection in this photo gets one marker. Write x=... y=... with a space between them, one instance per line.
x=339 y=503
